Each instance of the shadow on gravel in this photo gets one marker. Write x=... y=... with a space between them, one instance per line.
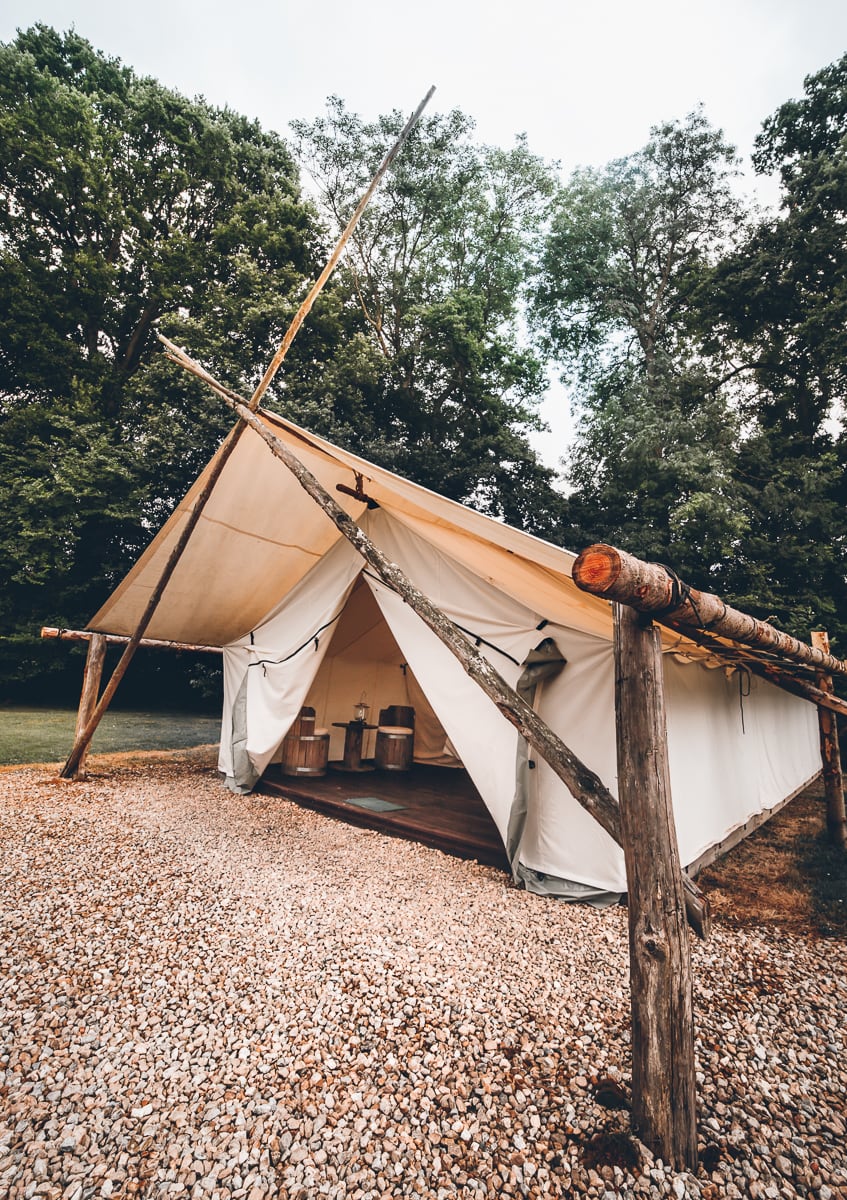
x=611 y=1148
x=826 y=868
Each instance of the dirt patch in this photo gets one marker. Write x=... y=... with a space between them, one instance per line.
x=786 y=873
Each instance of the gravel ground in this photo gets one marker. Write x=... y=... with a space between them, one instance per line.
x=216 y=996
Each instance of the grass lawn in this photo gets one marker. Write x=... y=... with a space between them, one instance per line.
x=46 y=734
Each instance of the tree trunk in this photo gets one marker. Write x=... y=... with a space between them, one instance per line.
x=663 y=1082
x=90 y=688
x=836 y=819
x=654 y=589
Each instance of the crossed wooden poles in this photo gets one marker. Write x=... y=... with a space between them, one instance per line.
x=660 y=895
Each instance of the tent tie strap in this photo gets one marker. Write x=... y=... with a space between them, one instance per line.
x=264 y=663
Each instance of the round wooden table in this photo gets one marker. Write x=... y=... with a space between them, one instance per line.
x=355 y=732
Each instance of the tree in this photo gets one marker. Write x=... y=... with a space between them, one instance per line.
x=779 y=306
x=122 y=205
x=617 y=305
x=436 y=279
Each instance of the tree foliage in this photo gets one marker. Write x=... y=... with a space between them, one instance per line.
x=437 y=270
x=617 y=305
x=778 y=305
x=122 y=205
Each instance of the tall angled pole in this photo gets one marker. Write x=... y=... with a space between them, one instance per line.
x=83 y=736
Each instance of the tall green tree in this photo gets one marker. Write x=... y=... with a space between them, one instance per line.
x=779 y=307
x=436 y=275
x=122 y=205
x=616 y=304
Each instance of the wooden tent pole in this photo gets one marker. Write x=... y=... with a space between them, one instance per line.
x=836 y=817
x=584 y=785
x=306 y=306
x=90 y=688
x=653 y=589
x=84 y=736
x=664 y=1107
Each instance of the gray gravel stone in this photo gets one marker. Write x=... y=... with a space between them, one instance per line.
x=205 y=995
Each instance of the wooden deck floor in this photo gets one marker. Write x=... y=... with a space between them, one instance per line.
x=437 y=806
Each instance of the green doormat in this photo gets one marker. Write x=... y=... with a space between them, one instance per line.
x=373 y=803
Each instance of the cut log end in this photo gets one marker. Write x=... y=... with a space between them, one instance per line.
x=597 y=568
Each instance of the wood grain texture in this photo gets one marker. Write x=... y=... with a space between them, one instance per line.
x=663 y=1081
x=836 y=818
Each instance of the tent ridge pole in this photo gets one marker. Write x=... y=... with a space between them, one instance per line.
x=655 y=590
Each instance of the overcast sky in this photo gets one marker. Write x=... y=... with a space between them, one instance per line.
x=584 y=81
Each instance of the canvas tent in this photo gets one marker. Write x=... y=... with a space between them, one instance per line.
x=268 y=577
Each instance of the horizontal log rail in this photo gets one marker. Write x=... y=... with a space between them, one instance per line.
x=116 y=639
x=655 y=590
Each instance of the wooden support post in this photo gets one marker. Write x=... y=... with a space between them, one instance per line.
x=836 y=818
x=663 y=1082
x=94 y=661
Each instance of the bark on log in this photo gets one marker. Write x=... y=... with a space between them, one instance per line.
x=84 y=736
x=90 y=688
x=586 y=787
x=653 y=589
x=663 y=1082
x=836 y=818
x=49 y=632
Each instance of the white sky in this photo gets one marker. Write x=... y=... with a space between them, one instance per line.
x=584 y=81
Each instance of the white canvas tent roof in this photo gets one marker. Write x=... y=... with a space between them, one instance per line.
x=268 y=577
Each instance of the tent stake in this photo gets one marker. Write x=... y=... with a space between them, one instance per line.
x=663 y=1081
x=83 y=736
x=584 y=785
x=836 y=818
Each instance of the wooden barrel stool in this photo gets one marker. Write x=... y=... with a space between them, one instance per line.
x=305 y=750
x=305 y=753
x=395 y=747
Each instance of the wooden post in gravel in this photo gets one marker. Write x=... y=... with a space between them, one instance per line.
x=836 y=819
x=663 y=1082
x=94 y=661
